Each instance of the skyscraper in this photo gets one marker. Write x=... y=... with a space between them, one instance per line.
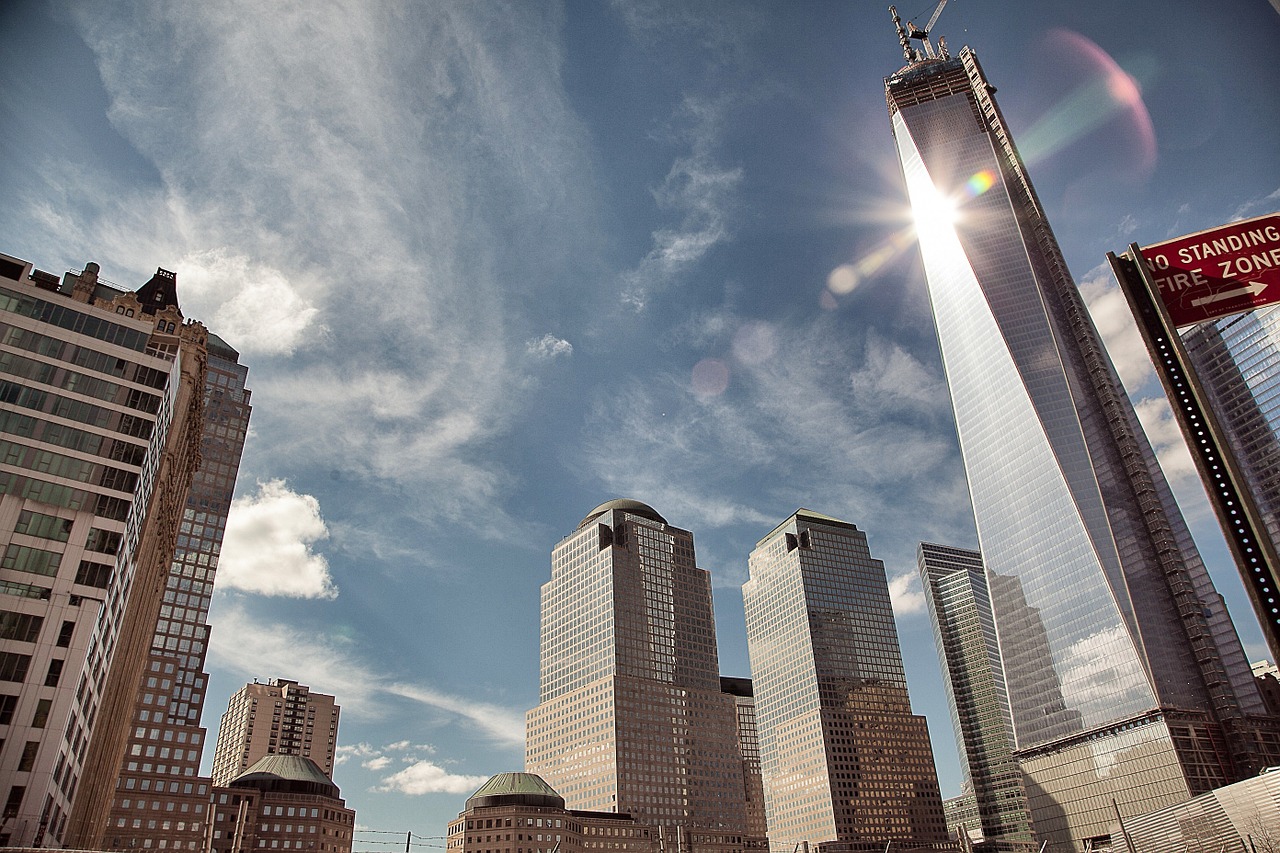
x=281 y=716
x=846 y=765
x=744 y=700
x=165 y=743
x=1237 y=360
x=631 y=717
x=1127 y=680
x=955 y=589
x=100 y=408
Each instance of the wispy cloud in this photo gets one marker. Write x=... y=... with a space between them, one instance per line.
x=383 y=176
x=268 y=545
x=242 y=644
x=797 y=423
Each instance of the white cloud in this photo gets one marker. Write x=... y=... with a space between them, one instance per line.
x=1111 y=314
x=906 y=594
x=252 y=306
x=548 y=347
x=268 y=544
x=378 y=763
x=1166 y=440
x=426 y=777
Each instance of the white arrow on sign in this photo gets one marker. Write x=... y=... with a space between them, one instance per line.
x=1253 y=288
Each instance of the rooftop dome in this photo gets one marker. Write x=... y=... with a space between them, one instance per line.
x=515 y=789
x=626 y=505
x=295 y=774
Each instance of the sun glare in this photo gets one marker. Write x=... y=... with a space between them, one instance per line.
x=935 y=214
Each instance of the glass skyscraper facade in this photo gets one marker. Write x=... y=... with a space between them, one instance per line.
x=964 y=630
x=846 y=765
x=1237 y=360
x=631 y=716
x=1127 y=682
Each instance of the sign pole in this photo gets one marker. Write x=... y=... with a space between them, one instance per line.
x=1251 y=546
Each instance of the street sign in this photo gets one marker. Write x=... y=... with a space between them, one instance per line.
x=1218 y=272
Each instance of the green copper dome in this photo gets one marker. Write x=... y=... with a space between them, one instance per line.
x=626 y=505
x=515 y=789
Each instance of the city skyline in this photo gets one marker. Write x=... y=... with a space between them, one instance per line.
x=520 y=251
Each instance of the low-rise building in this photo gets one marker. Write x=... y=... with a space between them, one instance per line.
x=282 y=802
x=521 y=813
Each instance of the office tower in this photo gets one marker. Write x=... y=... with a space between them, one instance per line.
x=964 y=631
x=521 y=813
x=281 y=716
x=744 y=700
x=1126 y=678
x=631 y=717
x=846 y=765
x=99 y=407
x=1237 y=360
x=282 y=802
x=161 y=763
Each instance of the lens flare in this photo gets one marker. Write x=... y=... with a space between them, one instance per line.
x=710 y=377
x=1108 y=92
x=980 y=183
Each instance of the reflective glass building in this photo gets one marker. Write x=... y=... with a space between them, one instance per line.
x=964 y=630
x=1126 y=679
x=846 y=765
x=1237 y=360
x=631 y=716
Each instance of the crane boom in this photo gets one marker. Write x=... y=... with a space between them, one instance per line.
x=928 y=28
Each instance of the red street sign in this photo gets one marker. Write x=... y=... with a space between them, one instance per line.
x=1217 y=272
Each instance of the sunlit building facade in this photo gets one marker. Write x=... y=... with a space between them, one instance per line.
x=280 y=716
x=631 y=717
x=1128 y=686
x=846 y=765
x=98 y=407
x=964 y=631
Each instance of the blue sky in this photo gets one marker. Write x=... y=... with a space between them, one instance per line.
x=491 y=264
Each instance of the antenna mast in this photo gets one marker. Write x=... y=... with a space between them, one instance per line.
x=908 y=52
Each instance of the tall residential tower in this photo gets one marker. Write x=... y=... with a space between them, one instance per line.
x=281 y=716
x=631 y=717
x=846 y=765
x=1128 y=685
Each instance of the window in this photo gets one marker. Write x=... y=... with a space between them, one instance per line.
x=24 y=627
x=93 y=574
x=44 y=526
x=12 y=804
x=55 y=673
x=13 y=667
x=33 y=560
x=41 y=716
x=7 y=704
x=104 y=541
x=28 y=759
x=64 y=635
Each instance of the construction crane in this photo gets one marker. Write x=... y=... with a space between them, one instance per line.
x=922 y=35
